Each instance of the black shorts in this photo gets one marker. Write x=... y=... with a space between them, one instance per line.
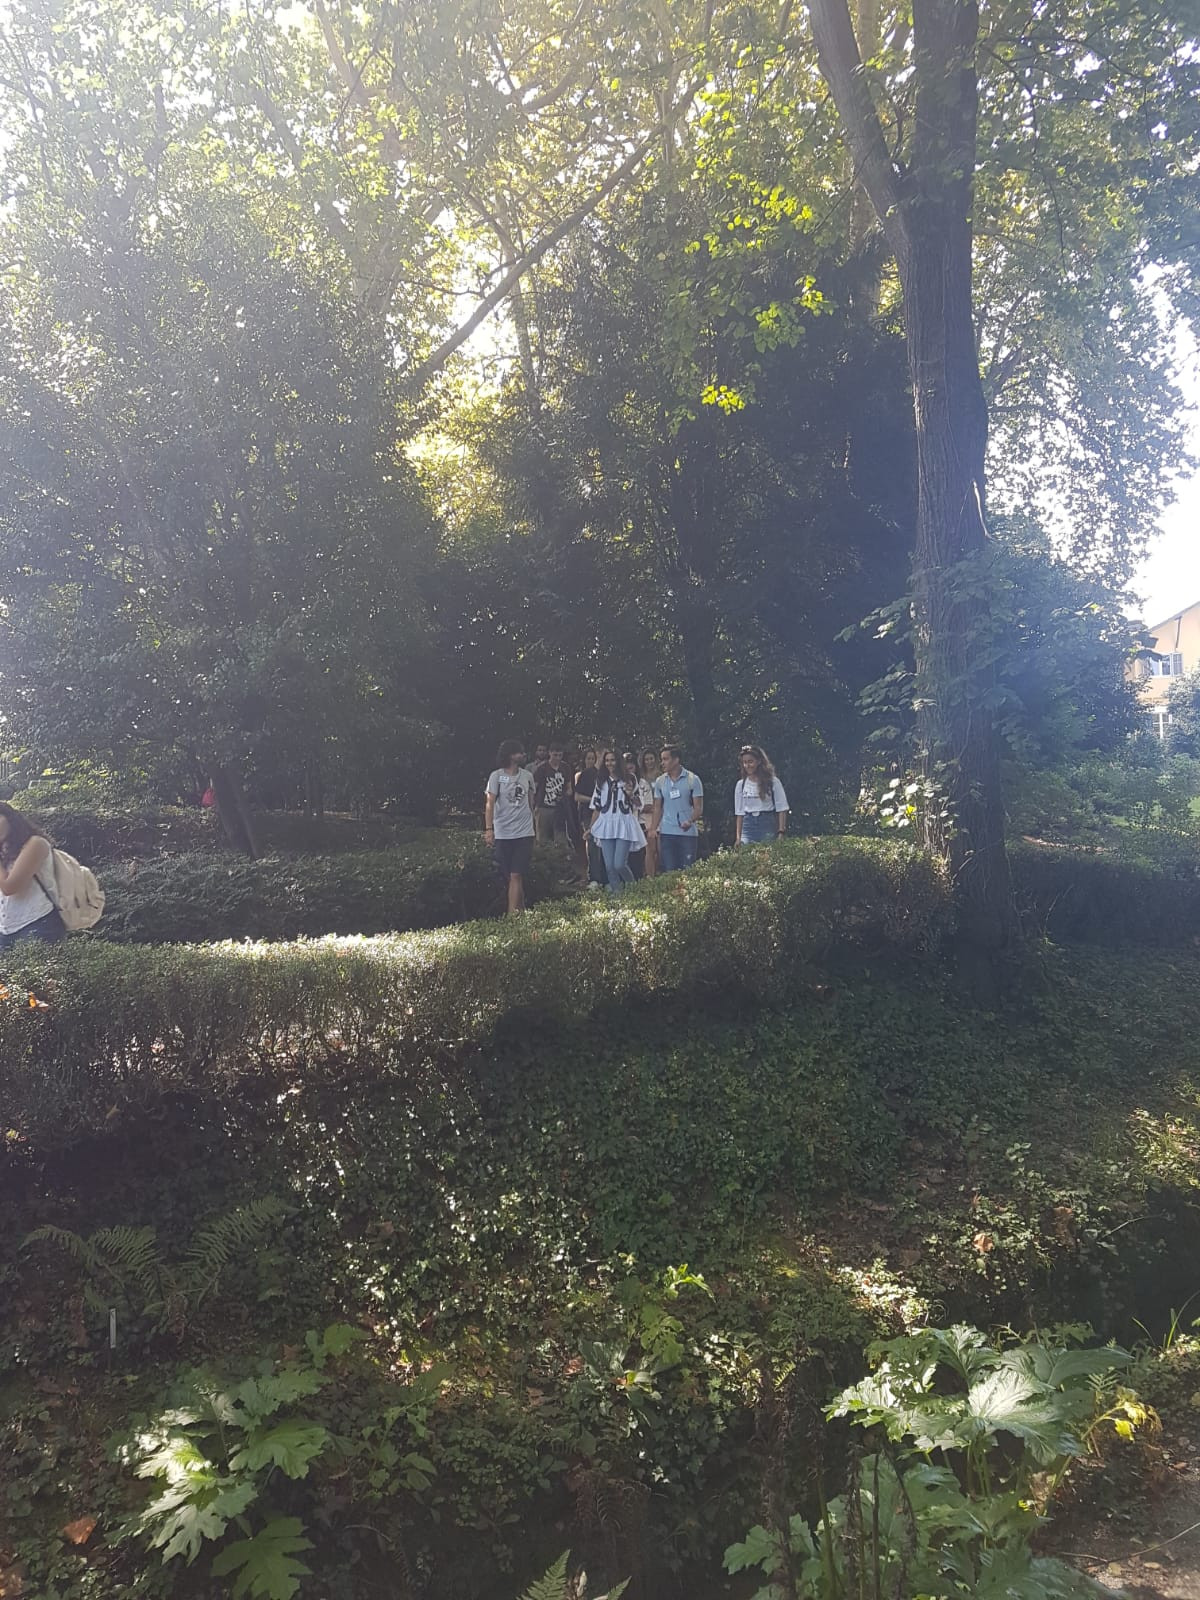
x=512 y=856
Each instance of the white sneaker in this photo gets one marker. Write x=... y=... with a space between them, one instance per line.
x=593 y=885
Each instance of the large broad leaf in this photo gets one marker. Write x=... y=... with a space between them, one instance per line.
x=178 y=1459
x=927 y=1419
x=1009 y=1402
x=962 y=1347
x=180 y=1520
x=263 y=1397
x=290 y=1446
x=893 y=1545
x=265 y=1567
x=1054 y=1368
x=760 y=1548
x=1011 y=1573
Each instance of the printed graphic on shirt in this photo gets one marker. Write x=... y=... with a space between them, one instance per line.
x=511 y=816
x=554 y=786
x=616 y=806
x=748 y=802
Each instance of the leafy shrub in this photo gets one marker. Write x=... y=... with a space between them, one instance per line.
x=103 y=831
x=213 y=1457
x=557 y=1585
x=437 y=878
x=120 y=1024
x=116 y=835
x=1103 y=898
x=123 y=1268
x=1097 y=799
x=979 y=1436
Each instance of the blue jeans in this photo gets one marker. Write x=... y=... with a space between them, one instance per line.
x=616 y=862
x=676 y=851
x=761 y=828
x=46 y=930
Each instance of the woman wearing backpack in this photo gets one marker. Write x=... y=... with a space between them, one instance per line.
x=26 y=909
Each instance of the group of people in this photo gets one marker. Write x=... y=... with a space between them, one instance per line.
x=622 y=817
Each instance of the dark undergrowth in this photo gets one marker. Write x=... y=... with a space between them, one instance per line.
x=516 y=1231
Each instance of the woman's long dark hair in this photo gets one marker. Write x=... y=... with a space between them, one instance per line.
x=20 y=831
x=765 y=773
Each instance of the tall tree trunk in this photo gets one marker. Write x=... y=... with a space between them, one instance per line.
x=925 y=211
x=233 y=810
x=952 y=615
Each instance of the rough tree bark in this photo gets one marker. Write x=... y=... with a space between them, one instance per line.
x=924 y=208
x=233 y=810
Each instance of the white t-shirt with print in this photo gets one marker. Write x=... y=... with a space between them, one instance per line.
x=615 y=814
x=747 y=802
x=512 y=816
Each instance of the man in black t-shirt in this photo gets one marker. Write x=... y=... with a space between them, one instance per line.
x=585 y=785
x=586 y=780
x=553 y=792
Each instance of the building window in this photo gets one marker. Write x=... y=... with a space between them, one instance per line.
x=1160 y=720
x=1165 y=666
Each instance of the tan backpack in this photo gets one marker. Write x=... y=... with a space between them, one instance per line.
x=74 y=891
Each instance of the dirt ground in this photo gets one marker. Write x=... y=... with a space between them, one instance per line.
x=1145 y=1544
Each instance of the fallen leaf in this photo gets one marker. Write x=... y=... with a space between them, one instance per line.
x=80 y=1531
x=984 y=1243
x=12 y=1583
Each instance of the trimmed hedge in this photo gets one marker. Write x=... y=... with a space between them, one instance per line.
x=1096 y=897
x=437 y=878
x=96 y=836
x=124 y=1025
x=139 y=832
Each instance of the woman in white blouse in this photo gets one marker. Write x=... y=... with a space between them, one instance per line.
x=614 y=825
x=26 y=909
x=759 y=801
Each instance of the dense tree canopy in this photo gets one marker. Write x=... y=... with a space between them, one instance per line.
x=380 y=381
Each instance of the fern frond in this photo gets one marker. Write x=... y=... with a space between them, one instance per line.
x=218 y=1242
x=80 y=1250
x=130 y=1253
x=554 y=1585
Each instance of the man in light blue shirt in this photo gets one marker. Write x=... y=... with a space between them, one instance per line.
x=678 y=807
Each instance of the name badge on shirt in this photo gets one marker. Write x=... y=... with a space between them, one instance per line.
x=675 y=793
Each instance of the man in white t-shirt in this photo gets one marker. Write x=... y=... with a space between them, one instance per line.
x=508 y=820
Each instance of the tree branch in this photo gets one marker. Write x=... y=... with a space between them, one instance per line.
x=434 y=363
x=842 y=68
x=330 y=215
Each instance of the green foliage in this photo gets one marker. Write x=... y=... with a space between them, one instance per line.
x=124 y=1267
x=555 y=1585
x=435 y=878
x=124 y=1025
x=510 y=1222
x=1183 y=702
x=264 y=1566
x=213 y=1456
x=979 y=1435
x=1099 y=898
x=120 y=830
